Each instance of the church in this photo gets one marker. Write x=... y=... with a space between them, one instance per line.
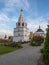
x=40 y=32
x=21 y=32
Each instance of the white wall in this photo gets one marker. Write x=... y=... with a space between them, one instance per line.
x=16 y=39
x=22 y=31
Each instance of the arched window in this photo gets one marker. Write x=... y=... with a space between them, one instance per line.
x=22 y=24
x=18 y=24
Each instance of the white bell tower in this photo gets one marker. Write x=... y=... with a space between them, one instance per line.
x=21 y=32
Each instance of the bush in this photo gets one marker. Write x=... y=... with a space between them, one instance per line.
x=46 y=56
x=46 y=48
x=41 y=50
x=14 y=44
x=35 y=43
x=38 y=39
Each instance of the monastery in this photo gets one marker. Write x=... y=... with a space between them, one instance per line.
x=21 y=32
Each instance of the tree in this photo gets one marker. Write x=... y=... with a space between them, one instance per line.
x=10 y=38
x=46 y=47
x=5 y=37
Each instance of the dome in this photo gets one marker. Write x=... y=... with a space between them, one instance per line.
x=39 y=30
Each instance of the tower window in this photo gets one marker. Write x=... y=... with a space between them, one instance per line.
x=22 y=24
x=18 y=24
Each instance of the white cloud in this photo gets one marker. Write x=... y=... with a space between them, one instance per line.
x=2 y=25
x=11 y=5
x=5 y=25
x=33 y=25
x=3 y=17
x=5 y=32
x=14 y=19
x=26 y=3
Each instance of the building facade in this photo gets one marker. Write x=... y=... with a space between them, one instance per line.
x=21 y=32
x=39 y=32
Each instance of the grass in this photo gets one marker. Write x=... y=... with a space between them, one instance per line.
x=4 y=49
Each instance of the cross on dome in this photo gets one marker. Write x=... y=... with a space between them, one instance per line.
x=39 y=26
x=21 y=10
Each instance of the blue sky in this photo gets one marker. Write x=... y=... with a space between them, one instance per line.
x=36 y=12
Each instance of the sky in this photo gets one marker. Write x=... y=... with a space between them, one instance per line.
x=36 y=12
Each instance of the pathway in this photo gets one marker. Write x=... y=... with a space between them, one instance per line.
x=28 y=55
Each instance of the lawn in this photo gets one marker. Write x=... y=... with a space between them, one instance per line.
x=4 y=49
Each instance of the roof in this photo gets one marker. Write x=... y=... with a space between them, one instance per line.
x=39 y=30
x=21 y=17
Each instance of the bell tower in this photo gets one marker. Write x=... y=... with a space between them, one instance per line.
x=21 y=32
x=21 y=21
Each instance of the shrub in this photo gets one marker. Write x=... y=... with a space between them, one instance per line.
x=38 y=39
x=14 y=44
x=35 y=43
x=46 y=48
x=41 y=50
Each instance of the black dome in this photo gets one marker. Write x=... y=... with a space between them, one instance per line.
x=39 y=30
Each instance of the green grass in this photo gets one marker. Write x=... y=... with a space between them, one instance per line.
x=4 y=49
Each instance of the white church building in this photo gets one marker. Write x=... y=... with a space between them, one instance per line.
x=40 y=32
x=21 y=32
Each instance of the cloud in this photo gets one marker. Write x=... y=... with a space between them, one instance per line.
x=7 y=23
x=5 y=32
x=12 y=5
x=4 y=18
x=18 y=3
x=33 y=24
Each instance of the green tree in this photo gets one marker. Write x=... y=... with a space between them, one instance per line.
x=46 y=47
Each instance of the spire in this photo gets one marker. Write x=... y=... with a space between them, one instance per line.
x=21 y=17
x=21 y=10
